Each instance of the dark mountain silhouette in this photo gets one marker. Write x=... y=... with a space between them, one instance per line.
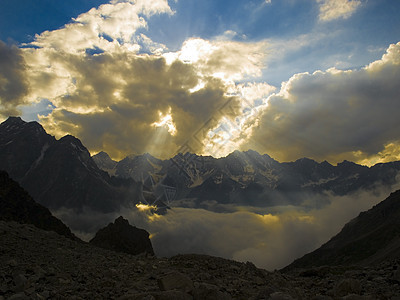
x=248 y=178
x=22 y=146
x=372 y=237
x=60 y=173
x=122 y=237
x=17 y=205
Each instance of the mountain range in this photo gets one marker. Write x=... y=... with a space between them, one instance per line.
x=62 y=174
x=246 y=178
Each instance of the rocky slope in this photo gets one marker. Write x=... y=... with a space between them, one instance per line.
x=122 y=237
x=37 y=264
x=372 y=237
x=17 y=205
x=60 y=173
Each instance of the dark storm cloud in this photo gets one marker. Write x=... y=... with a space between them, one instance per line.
x=13 y=84
x=334 y=114
x=116 y=99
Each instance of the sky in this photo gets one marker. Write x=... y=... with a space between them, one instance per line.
x=290 y=78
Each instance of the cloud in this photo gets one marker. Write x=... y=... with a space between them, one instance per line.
x=110 y=27
x=231 y=134
x=335 y=9
x=269 y=237
x=110 y=85
x=117 y=100
x=391 y=152
x=225 y=59
x=333 y=114
x=13 y=84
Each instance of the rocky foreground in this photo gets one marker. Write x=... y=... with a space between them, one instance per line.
x=37 y=264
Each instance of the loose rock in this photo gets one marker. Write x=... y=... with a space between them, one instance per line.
x=36 y=264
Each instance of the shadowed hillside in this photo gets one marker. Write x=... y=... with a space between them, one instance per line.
x=372 y=237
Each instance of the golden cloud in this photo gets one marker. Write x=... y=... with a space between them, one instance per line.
x=112 y=97
x=13 y=84
x=117 y=99
x=333 y=114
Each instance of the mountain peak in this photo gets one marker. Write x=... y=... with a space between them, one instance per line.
x=102 y=154
x=142 y=156
x=16 y=124
x=75 y=142
x=68 y=137
x=104 y=162
x=306 y=162
x=147 y=154
x=326 y=163
x=252 y=152
x=347 y=165
x=120 y=221
x=15 y=120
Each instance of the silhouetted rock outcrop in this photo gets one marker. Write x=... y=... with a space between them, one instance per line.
x=372 y=237
x=17 y=205
x=122 y=237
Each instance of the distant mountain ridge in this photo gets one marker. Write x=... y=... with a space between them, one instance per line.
x=248 y=178
x=60 y=173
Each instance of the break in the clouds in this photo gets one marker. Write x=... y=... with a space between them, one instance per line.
x=334 y=114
